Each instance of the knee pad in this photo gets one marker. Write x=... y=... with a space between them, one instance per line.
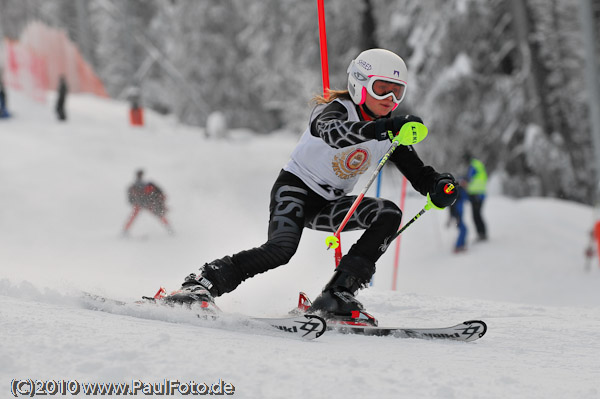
x=391 y=210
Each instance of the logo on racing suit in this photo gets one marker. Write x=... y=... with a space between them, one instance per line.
x=349 y=164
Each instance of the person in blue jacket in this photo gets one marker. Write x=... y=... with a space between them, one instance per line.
x=456 y=214
x=476 y=189
x=3 y=108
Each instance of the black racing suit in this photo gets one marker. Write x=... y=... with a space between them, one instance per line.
x=295 y=206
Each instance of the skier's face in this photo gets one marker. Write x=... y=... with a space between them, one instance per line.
x=380 y=107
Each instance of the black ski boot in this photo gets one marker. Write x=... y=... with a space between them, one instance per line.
x=195 y=291
x=337 y=303
x=212 y=282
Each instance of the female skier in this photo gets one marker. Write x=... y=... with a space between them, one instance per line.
x=348 y=132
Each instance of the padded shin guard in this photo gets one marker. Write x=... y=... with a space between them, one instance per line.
x=358 y=267
x=352 y=274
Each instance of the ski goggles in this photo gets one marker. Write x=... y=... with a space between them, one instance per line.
x=380 y=88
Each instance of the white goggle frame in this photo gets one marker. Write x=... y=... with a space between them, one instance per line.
x=374 y=78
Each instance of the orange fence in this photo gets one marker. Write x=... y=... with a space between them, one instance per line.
x=42 y=55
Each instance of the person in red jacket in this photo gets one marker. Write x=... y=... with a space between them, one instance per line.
x=146 y=195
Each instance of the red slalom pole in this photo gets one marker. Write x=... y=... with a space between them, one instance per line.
x=323 y=45
x=397 y=254
x=325 y=74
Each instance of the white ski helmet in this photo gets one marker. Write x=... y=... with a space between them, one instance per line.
x=373 y=65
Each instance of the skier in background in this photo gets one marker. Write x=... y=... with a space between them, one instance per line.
x=347 y=133
x=61 y=98
x=146 y=195
x=590 y=250
x=476 y=189
x=456 y=215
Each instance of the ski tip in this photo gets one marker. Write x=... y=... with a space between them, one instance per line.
x=476 y=329
x=306 y=326
x=319 y=324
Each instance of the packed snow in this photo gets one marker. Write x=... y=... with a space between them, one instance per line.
x=64 y=206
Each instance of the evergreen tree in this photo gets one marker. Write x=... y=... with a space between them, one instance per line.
x=502 y=78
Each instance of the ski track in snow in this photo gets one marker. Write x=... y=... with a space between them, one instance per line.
x=63 y=196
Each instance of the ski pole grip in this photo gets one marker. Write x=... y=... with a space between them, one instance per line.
x=411 y=133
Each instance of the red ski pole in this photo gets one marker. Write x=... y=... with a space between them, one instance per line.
x=334 y=240
x=410 y=133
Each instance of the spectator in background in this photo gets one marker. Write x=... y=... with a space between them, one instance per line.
x=456 y=214
x=476 y=189
x=136 y=112
x=146 y=195
x=3 y=106
x=61 y=98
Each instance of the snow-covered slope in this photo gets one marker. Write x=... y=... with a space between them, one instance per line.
x=63 y=208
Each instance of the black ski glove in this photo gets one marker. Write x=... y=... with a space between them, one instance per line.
x=444 y=191
x=383 y=125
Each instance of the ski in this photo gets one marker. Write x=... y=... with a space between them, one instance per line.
x=466 y=332
x=305 y=326
x=362 y=323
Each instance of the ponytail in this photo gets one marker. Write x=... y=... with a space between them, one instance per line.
x=333 y=95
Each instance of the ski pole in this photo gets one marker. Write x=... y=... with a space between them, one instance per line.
x=410 y=133
x=429 y=205
x=411 y=221
x=334 y=240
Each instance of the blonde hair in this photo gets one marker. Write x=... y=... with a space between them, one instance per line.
x=333 y=95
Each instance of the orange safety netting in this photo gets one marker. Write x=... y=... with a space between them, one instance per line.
x=42 y=55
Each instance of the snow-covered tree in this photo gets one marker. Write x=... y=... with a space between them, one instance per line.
x=500 y=78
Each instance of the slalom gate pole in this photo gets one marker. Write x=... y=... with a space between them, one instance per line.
x=325 y=74
x=335 y=239
x=378 y=190
x=597 y=236
x=323 y=46
x=397 y=253
x=377 y=194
